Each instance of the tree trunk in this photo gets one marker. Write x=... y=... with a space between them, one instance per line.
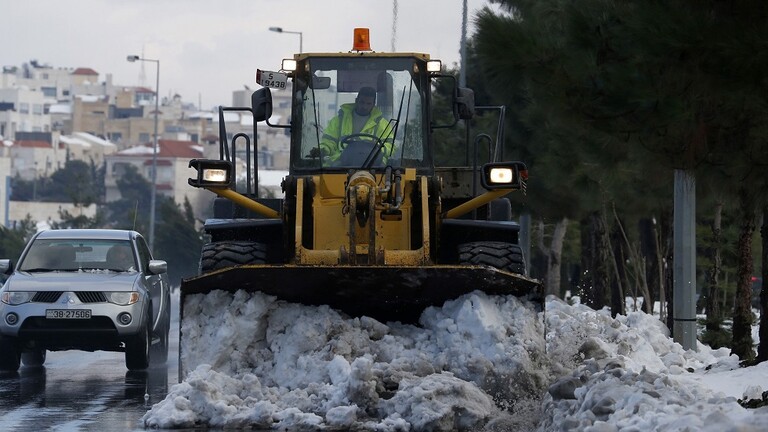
x=762 y=349
x=714 y=318
x=620 y=270
x=653 y=256
x=554 y=258
x=666 y=252
x=595 y=261
x=742 y=308
x=587 y=254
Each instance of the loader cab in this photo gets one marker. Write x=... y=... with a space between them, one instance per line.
x=324 y=85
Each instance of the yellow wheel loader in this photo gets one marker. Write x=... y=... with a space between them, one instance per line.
x=376 y=230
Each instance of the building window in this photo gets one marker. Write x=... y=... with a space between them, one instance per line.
x=119 y=169
x=24 y=108
x=37 y=109
x=49 y=91
x=143 y=137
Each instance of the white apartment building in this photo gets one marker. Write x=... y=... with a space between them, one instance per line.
x=5 y=186
x=23 y=110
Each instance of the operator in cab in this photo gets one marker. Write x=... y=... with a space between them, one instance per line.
x=361 y=121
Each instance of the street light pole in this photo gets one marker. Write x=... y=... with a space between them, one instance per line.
x=301 y=36
x=152 y=202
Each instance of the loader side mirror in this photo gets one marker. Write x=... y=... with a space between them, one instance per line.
x=320 y=83
x=465 y=103
x=261 y=103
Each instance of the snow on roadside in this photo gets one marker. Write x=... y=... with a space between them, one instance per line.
x=477 y=363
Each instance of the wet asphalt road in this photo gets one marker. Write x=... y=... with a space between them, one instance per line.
x=84 y=391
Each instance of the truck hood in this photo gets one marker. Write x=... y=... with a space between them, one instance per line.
x=72 y=281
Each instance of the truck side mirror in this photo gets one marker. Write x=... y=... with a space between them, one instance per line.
x=261 y=103
x=465 y=103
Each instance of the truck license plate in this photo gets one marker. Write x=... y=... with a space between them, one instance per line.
x=68 y=313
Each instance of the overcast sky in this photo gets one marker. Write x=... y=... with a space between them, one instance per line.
x=208 y=48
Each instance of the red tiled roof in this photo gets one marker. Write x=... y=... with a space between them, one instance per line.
x=84 y=71
x=35 y=144
x=178 y=149
x=159 y=163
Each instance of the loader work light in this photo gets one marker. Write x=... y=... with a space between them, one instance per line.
x=288 y=65
x=501 y=175
x=434 y=66
x=211 y=172
x=504 y=175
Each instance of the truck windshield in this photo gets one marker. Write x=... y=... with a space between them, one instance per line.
x=335 y=134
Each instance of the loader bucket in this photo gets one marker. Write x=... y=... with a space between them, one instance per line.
x=386 y=293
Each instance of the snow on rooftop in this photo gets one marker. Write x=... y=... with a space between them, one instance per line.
x=137 y=150
x=477 y=363
x=93 y=139
x=68 y=140
x=60 y=109
x=89 y=98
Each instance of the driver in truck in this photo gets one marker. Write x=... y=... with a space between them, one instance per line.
x=362 y=118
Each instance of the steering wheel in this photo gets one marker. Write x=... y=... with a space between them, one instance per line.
x=376 y=143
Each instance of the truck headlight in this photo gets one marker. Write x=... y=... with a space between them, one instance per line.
x=123 y=298
x=16 y=297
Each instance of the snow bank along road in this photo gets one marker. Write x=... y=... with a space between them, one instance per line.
x=477 y=363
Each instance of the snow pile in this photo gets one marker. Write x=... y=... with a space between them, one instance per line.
x=632 y=376
x=477 y=363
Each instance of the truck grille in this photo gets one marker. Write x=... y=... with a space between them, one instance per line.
x=46 y=297
x=91 y=296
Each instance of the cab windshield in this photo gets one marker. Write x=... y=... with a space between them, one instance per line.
x=393 y=132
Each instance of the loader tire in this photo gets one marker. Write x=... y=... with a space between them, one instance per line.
x=225 y=254
x=499 y=255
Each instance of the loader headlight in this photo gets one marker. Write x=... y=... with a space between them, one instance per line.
x=214 y=175
x=16 y=297
x=504 y=175
x=501 y=175
x=211 y=172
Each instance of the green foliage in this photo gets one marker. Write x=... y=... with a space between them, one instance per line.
x=77 y=182
x=176 y=239
x=13 y=240
x=715 y=334
x=612 y=96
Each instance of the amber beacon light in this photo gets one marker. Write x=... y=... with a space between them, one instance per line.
x=361 y=41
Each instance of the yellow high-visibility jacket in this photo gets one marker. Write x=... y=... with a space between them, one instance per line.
x=341 y=126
